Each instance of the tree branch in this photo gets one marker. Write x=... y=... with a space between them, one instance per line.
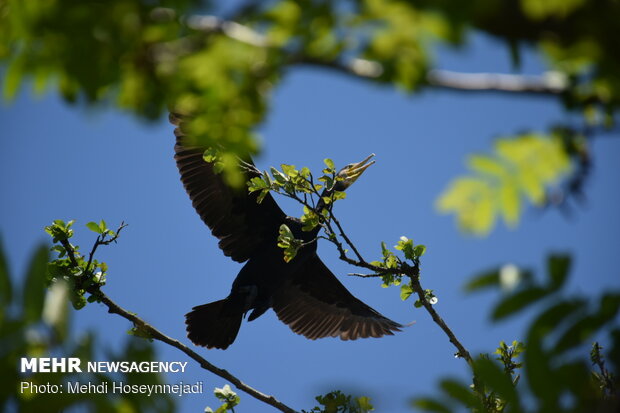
x=417 y=287
x=550 y=83
x=152 y=332
x=158 y=335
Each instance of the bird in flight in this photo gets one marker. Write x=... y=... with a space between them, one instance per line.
x=303 y=292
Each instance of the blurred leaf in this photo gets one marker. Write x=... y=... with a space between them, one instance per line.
x=486 y=280
x=541 y=9
x=6 y=289
x=520 y=167
x=493 y=376
x=429 y=404
x=558 y=267
x=542 y=379
x=56 y=309
x=13 y=78
x=585 y=327
x=35 y=283
x=518 y=301
x=459 y=392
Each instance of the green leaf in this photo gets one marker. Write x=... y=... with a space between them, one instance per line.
x=487 y=165
x=585 y=327
x=486 y=280
x=289 y=170
x=329 y=163
x=493 y=376
x=211 y=155
x=94 y=227
x=459 y=392
x=279 y=176
x=6 y=288
x=558 y=267
x=429 y=404
x=364 y=404
x=103 y=226
x=518 y=301
x=288 y=242
x=257 y=184
x=13 y=77
x=405 y=291
x=419 y=250
x=541 y=377
x=35 y=284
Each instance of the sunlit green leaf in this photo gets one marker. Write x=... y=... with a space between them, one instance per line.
x=405 y=291
x=94 y=227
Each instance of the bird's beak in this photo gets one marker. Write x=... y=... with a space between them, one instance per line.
x=357 y=169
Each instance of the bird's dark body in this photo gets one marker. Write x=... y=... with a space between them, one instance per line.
x=304 y=293
x=266 y=271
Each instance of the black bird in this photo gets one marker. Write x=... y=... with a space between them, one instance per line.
x=304 y=293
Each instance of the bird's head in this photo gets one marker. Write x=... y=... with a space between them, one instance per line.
x=351 y=172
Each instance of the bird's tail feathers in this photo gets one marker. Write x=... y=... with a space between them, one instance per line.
x=210 y=327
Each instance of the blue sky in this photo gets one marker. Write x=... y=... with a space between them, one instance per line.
x=65 y=162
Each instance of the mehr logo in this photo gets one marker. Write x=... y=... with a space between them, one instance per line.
x=51 y=365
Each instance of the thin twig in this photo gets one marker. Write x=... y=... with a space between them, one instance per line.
x=357 y=274
x=417 y=287
x=102 y=241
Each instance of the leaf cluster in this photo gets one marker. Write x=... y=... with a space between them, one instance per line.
x=316 y=197
x=229 y=399
x=392 y=268
x=79 y=272
x=521 y=167
x=36 y=323
x=338 y=402
x=556 y=372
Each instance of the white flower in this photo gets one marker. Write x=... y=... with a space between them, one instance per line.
x=433 y=300
x=509 y=277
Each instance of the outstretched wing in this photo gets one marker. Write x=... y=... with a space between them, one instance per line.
x=234 y=216
x=315 y=304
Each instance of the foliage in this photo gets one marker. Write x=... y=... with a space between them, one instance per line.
x=81 y=274
x=337 y=402
x=148 y=56
x=38 y=324
x=318 y=200
x=558 y=373
x=228 y=397
x=523 y=167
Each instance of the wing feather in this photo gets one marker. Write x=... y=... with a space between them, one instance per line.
x=315 y=304
x=233 y=215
